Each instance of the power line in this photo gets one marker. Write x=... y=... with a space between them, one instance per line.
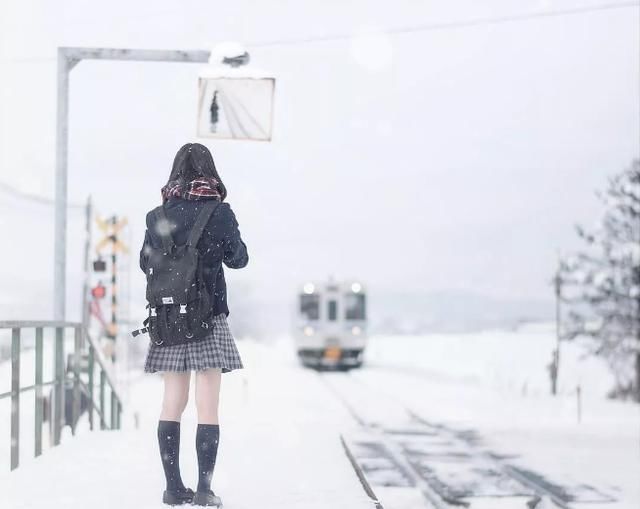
x=470 y=23
x=446 y=25
x=43 y=200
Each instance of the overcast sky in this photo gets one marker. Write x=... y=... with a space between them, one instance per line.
x=452 y=159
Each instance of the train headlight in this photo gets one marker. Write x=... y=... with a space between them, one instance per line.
x=308 y=331
x=309 y=288
x=356 y=331
x=356 y=287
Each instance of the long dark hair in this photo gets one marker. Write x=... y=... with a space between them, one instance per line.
x=194 y=160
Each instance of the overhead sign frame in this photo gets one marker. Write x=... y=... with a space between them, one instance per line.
x=68 y=58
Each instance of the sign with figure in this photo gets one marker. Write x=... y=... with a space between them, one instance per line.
x=235 y=105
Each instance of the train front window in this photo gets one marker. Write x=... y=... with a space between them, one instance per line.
x=333 y=311
x=354 y=306
x=310 y=307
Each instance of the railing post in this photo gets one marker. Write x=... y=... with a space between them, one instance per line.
x=15 y=398
x=38 y=395
x=103 y=423
x=57 y=412
x=90 y=383
x=76 y=379
x=114 y=409
x=59 y=386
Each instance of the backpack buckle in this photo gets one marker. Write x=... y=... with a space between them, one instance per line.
x=183 y=309
x=137 y=332
x=153 y=312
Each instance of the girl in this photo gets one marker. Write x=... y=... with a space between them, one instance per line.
x=194 y=179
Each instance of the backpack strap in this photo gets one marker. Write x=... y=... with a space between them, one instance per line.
x=201 y=222
x=165 y=236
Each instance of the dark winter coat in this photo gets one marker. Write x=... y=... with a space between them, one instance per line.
x=220 y=242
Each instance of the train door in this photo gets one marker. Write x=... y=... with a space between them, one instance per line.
x=332 y=308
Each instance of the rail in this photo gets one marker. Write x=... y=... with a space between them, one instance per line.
x=85 y=348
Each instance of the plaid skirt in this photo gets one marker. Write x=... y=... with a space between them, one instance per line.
x=216 y=350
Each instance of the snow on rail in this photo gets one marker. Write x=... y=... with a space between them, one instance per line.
x=395 y=448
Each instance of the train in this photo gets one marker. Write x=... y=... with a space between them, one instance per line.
x=331 y=324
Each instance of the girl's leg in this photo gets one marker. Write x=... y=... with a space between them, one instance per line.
x=208 y=432
x=176 y=395
x=207 y=395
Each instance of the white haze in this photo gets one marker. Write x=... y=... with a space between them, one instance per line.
x=451 y=161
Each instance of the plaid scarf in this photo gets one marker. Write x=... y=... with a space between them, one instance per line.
x=202 y=188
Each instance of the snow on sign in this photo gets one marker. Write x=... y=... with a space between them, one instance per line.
x=234 y=102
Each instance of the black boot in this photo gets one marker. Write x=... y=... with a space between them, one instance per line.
x=169 y=442
x=207 y=438
x=207 y=498
x=179 y=497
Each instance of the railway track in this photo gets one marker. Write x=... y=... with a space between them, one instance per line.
x=408 y=461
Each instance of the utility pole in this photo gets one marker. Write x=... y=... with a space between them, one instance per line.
x=555 y=363
x=85 y=282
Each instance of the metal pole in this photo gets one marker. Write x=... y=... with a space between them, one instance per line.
x=114 y=290
x=75 y=409
x=38 y=396
x=140 y=55
x=15 y=398
x=114 y=410
x=60 y=229
x=103 y=419
x=58 y=408
x=85 y=286
x=90 y=385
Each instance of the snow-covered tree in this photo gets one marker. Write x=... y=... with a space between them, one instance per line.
x=601 y=283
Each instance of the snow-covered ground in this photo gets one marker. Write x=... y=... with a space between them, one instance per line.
x=280 y=448
x=281 y=426
x=496 y=384
x=501 y=360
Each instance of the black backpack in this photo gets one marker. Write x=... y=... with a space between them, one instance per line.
x=179 y=303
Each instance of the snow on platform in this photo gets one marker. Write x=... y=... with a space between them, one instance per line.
x=484 y=394
x=279 y=448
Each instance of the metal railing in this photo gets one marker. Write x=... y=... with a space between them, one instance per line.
x=85 y=348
